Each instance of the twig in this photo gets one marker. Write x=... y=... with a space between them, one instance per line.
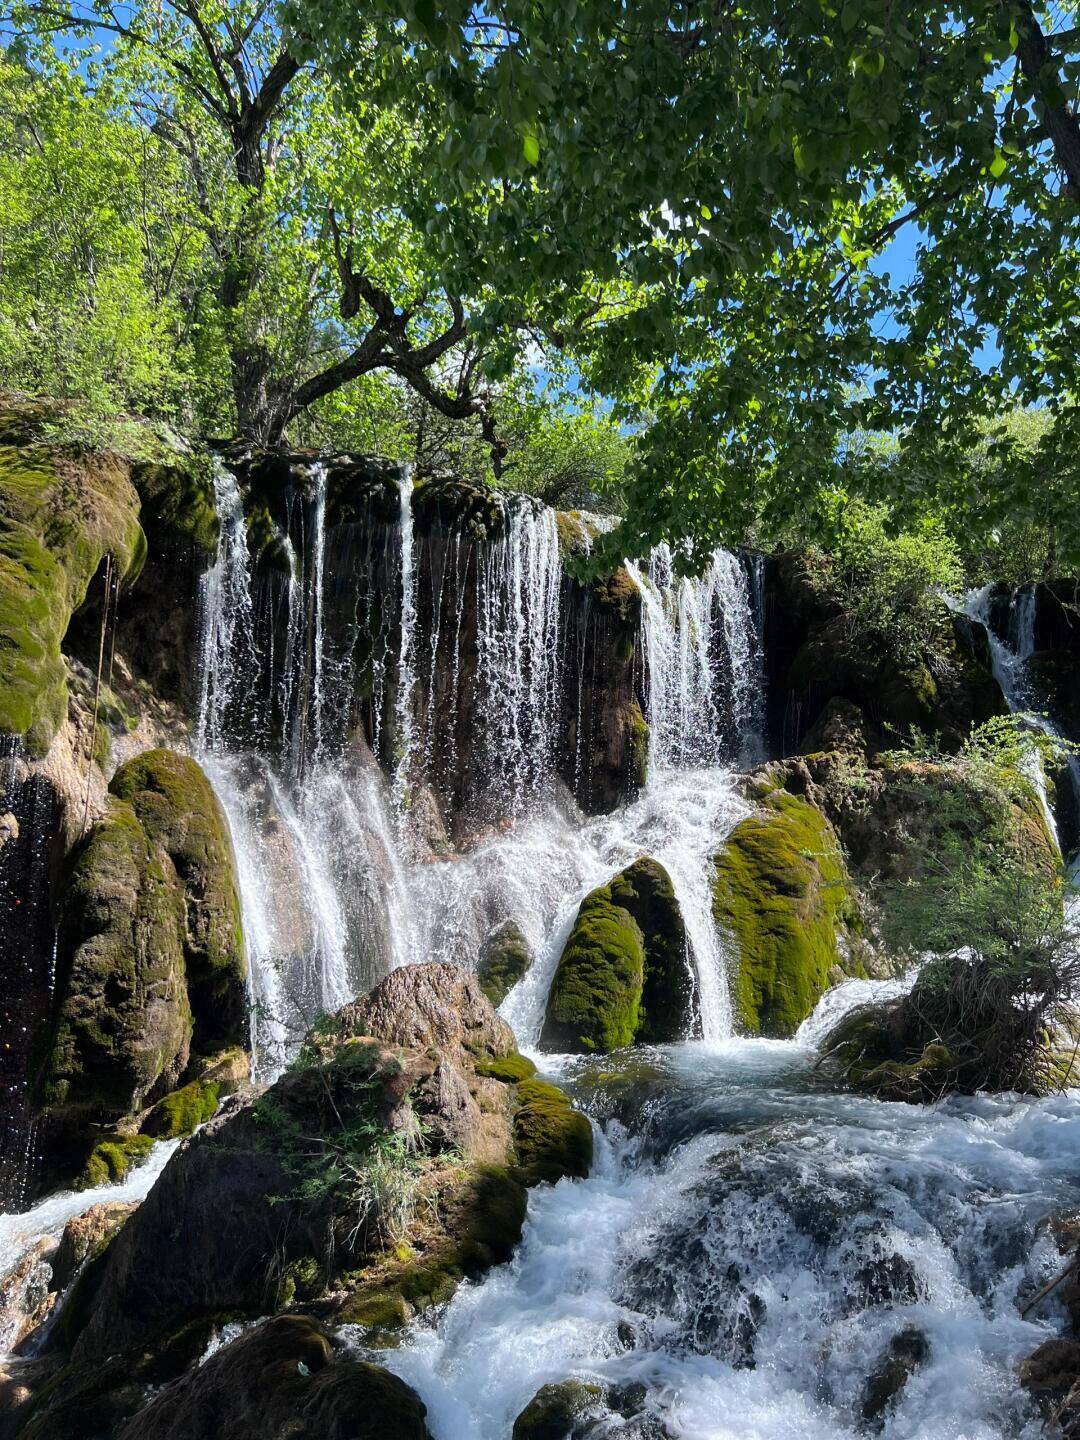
x=1064 y=1275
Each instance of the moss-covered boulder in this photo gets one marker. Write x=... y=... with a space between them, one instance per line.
x=625 y=974
x=181 y=815
x=557 y=1411
x=121 y=1031
x=285 y=1377
x=150 y=963
x=60 y=515
x=783 y=896
x=505 y=958
x=182 y=1112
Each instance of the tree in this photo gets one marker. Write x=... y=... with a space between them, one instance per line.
x=318 y=278
x=747 y=169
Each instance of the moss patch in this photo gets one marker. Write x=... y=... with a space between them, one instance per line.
x=179 y=812
x=110 y=1160
x=122 y=1024
x=782 y=892
x=61 y=513
x=551 y=1138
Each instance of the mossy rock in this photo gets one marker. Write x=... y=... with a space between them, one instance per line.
x=60 y=514
x=150 y=954
x=112 y=1159
x=782 y=893
x=182 y=1112
x=555 y=1411
x=552 y=1139
x=624 y=974
x=481 y=1219
x=121 y=1030
x=505 y=959
x=179 y=812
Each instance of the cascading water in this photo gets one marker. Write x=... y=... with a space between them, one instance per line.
x=1009 y=657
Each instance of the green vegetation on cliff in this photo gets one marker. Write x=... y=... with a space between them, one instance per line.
x=782 y=893
x=505 y=959
x=60 y=515
x=624 y=974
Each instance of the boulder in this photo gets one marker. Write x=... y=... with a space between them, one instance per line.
x=625 y=974
x=556 y=1412
x=903 y=1356
x=387 y=1163
x=783 y=896
x=151 y=970
x=283 y=1377
x=180 y=814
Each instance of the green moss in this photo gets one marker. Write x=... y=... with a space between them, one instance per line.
x=60 y=514
x=505 y=959
x=184 y=1110
x=595 y=1000
x=110 y=1160
x=177 y=495
x=782 y=892
x=551 y=1138
x=179 y=811
x=509 y=1068
x=122 y=1022
x=624 y=974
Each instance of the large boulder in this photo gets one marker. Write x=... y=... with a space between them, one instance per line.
x=151 y=972
x=388 y=1162
x=283 y=1378
x=783 y=896
x=625 y=974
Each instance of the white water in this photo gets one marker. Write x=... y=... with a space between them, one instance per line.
x=406 y=677
x=1009 y=663
x=748 y=1244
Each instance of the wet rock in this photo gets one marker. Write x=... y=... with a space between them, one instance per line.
x=150 y=957
x=1052 y=1376
x=886 y=1280
x=26 y=1294
x=782 y=891
x=625 y=973
x=85 y=1237
x=560 y=1411
x=905 y=1353
x=505 y=958
x=283 y=1377
x=438 y=1005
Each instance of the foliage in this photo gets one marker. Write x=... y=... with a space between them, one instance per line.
x=888 y=584
x=721 y=189
x=1005 y=965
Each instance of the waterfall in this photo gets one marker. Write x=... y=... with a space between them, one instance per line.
x=318 y=604
x=519 y=581
x=704 y=697
x=406 y=677
x=226 y=618
x=1008 y=659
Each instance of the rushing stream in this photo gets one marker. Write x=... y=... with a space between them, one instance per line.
x=751 y=1241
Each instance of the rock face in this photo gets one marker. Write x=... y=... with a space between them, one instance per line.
x=625 y=974
x=283 y=1377
x=782 y=893
x=814 y=658
x=582 y=723
x=395 y=1154
x=151 y=967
